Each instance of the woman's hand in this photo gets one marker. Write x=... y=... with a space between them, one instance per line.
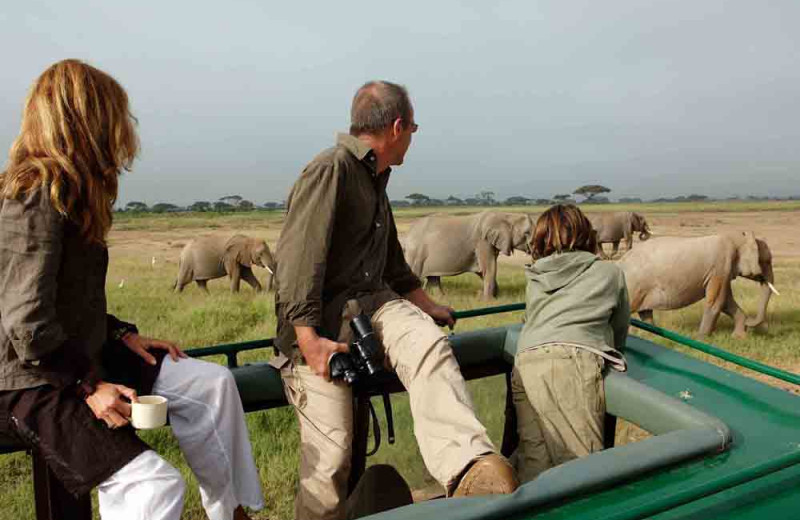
x=141 y=344
x=107 y=405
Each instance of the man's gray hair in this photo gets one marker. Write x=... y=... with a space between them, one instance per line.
x=376 y=106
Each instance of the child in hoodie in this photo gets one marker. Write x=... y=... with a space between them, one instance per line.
x=576 y=323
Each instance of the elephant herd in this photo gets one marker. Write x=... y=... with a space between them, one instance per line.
x=664 y=273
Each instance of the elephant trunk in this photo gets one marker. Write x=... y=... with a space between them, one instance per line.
x=644 y=234
x=767 y=288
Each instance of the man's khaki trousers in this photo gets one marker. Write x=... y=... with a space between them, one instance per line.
x=560 y=403
x=447 y=431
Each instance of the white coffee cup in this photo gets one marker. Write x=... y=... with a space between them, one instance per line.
x=150 y=411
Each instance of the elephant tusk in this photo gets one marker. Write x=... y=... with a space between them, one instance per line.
x=271 y=272
x=773 y=289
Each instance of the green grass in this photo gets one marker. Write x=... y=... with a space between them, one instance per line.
x=194 y=319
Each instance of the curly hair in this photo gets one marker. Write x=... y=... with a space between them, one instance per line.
x=77 y=136
x=563 y=228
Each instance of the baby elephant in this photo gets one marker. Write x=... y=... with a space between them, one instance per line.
x=207 y=258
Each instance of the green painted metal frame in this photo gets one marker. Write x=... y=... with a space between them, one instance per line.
x=230 y=350
x=718 y=352
x=755 y=481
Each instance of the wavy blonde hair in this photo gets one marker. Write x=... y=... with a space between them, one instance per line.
x=77 y=136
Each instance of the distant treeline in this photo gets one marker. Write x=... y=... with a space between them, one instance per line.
x=225 y=204
x=233 y=203
x=524 y=201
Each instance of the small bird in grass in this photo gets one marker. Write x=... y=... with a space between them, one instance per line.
x=153 y=262
x=121 y=283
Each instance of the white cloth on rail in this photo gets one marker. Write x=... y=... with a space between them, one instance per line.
x=206 y=416
x=146 y=488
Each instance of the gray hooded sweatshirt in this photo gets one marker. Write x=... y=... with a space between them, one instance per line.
x=574 y=297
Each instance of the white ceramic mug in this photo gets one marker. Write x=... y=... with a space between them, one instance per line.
x=150 y=411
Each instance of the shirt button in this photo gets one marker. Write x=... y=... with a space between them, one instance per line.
x=377 y=224
x=366 y=273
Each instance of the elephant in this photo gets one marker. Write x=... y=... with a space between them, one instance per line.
x=671 y=272
x=443 y=245
x=614 y=227
x=207 y=258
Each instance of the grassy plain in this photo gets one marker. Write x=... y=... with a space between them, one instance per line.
x=144 y=252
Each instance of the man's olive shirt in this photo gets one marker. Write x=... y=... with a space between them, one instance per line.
x=339 y=242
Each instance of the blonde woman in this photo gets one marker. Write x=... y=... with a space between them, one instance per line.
x=68 y=371
x=576 y=323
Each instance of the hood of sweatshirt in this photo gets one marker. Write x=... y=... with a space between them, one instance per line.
x=553 y=272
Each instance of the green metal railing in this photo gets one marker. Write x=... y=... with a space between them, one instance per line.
x=664 y=503
x=485 y=311
x=718 y=352
x=230 y=350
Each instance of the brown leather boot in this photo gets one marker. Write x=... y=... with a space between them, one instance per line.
x=489 y=475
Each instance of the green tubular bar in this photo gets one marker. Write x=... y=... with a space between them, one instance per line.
x=230 y=350
x=485 y=311
x=718 y=352
x=664 y=333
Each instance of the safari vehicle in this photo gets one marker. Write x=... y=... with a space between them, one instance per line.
x=723 y=446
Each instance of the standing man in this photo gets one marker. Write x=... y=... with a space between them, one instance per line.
x=338 y=256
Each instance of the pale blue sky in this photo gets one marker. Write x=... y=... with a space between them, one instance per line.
x=651 y=98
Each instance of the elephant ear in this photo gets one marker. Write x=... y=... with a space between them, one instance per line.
x=499 y=234
x=748 y=256
x=630 y=222
x=237 y=252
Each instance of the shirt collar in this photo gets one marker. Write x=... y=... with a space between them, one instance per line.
x=360 y=150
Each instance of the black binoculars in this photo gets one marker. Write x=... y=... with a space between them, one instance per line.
x=365 y=357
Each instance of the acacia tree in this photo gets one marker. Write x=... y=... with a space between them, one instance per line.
x=200 y=205
x=561 y=197
x=164 y=207
x=590 y=190
x=231 y=199
x=136 y=206
x=486 y=196
x=516 y=200
x=418 y=198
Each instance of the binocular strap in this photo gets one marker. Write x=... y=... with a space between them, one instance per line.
x=376 y=427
